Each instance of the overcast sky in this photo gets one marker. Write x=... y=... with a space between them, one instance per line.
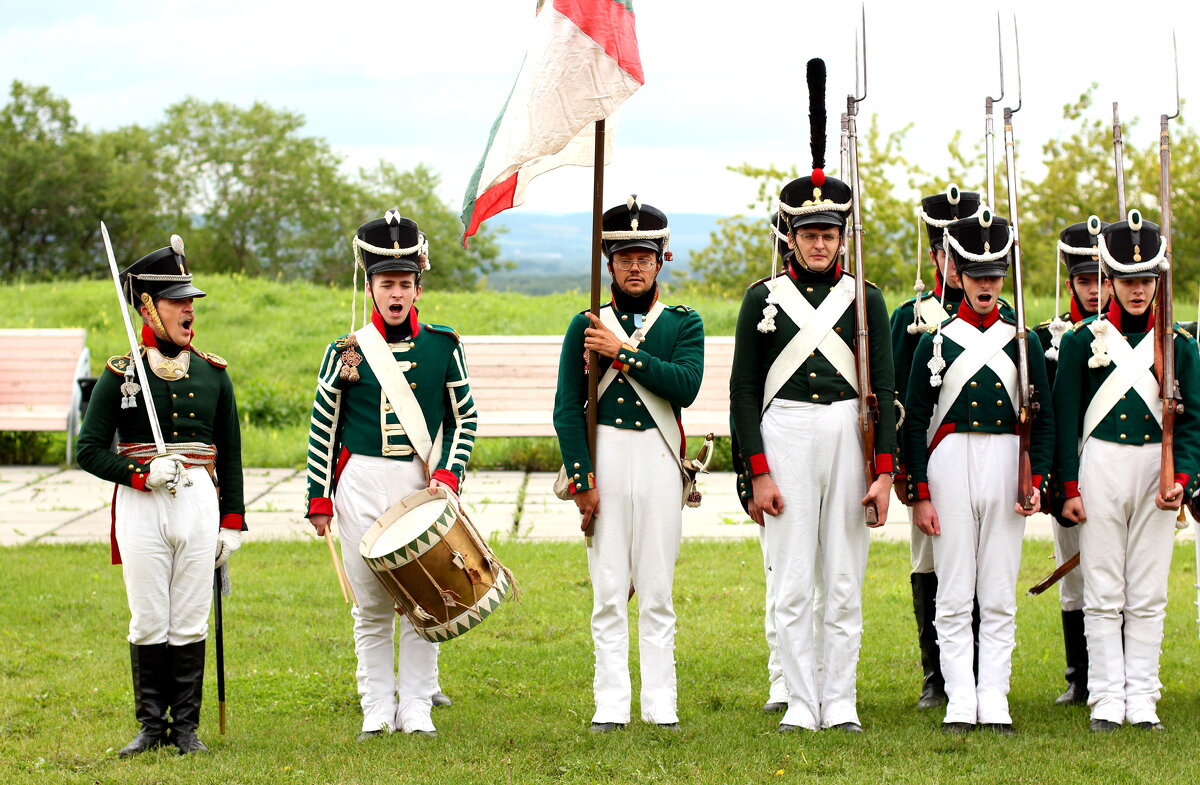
x=423 y=81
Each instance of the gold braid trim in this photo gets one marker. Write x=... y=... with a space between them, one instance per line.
x=148 y=301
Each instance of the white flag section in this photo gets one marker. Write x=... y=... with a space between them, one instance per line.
x=581 y=64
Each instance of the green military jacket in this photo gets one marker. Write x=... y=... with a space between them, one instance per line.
x=668 y=363
x=816 y=381
x=354 y=417
x=197 y=407
x=982 y=406
x=904 y=346
x=1130 y=421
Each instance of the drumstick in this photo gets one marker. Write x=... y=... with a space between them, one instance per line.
x=340 y=571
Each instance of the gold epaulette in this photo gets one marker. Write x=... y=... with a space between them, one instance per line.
x=1181 y=331
x=213 y=359
x=444 y=330
x=119 y=364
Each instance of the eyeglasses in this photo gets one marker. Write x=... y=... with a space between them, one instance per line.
x=811 y=237
x=641 y=264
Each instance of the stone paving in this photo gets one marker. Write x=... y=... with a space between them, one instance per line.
x=48 y=504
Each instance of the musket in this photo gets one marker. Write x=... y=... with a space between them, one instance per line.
x=868 y=403
x=151 y=413
x=989 y=136
x=1054 y=577
x=1119 y=161
x=1028 y=405
x=844 y=171
x=1164 y=347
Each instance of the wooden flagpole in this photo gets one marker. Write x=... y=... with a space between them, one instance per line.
x=593 y=357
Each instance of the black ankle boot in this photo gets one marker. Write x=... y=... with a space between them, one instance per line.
x=187 y=687
x=933 y=687
x=150 y=676
x=1077 y=660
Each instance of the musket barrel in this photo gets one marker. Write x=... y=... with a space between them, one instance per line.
x=1119 y=162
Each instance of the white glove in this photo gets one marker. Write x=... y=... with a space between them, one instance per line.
x=166 y=471
x=228 y=541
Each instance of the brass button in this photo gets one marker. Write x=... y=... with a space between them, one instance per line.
x=842 y=394
x=413 y=365
x=620 y=400
x=187 y=376
x=837 y=329
x=812 y=354
x=638 y=423
x=576 y=466
x=999 y=403
x=998 y=385
x=1147 y=437
x=998 y=422
x=619 y=421
x=173 y=395
x=837 y=373
x=1146 y=417
x=812 y=375
x=620 y=357
x=637 y=403
x=191 y=414
x=131 y=466
x=975 y=424
x=974 y=384
x=387 y=407
x=191 y=395
x=1122 y=436
x=624 y=317
x=815 y=397
x=174 y=433
x=413 y=385
x=576 y=477
x=639 y=363
x=620 y=380
x=174 y=414
x=1122 y=417
x=1122 y=397
x=808 y=288
x=974 y=404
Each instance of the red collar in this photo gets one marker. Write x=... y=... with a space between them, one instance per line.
x=1076 y=314
x=982 y=321
x=792 y=271
x=149 y=339
x=414 y=326
x=1114 y=314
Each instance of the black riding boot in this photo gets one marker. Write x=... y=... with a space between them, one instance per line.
x=924 y=591
x=150 y=682
x=187 y=686
x=1077 y=660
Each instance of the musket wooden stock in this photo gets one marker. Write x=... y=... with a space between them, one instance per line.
x=1054 y=577
x=1164 y=323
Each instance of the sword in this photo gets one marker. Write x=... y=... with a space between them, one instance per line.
x=155 y=428
x=220 y=636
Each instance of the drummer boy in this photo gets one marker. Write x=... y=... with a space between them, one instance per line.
x=392 y=415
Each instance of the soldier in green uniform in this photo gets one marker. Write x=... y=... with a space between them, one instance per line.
x=909 y=322
x=1109 y=456
x=651 y=360
x=793 y=401
x=962 y=450
x=169 y=518
x=392 y=414
x=1077 y=252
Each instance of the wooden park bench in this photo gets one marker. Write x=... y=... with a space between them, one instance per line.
x=39 y=381
x=513 y=379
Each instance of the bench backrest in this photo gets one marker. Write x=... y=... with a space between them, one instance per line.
x=38 y=373
x=513 y=379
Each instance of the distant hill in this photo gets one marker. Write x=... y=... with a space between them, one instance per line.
x=552 y=251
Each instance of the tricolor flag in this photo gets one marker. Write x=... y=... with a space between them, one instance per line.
x=582 y=63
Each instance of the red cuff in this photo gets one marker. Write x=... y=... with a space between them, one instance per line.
x=758 y=464
x=319 y=506
x=446 y=476
x=1036 y=481
x=884 y=463
x=1182 y=479
x=138 y=481
x=923 y=491
x=232 y=520
x=1071 y=489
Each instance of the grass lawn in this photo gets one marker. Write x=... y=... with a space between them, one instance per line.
x=521 y=685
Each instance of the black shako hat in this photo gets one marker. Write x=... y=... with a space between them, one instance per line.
x=939 y=210
x=391 y=244
x=635 y=225
x=816 y=199
x=1078 y=247
x=1132 y=248
x=980 y=245
x=161 y=274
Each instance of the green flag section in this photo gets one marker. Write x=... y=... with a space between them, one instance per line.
x=581 y=65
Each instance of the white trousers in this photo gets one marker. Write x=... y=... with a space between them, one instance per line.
x=777 y=686
x=168 y=549
x=1066 y=545
x=1126 y=546
x=973 y=486
x=637 y=538
x=391 y=699
x=821 y=538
